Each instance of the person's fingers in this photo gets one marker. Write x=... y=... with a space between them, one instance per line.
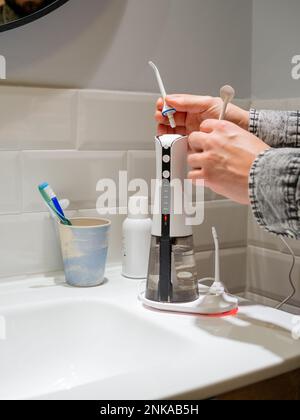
x=160 y=118
x=162 y=130
x=196 y=175
x=180 y=118
x=190 y=103
x=181 y=131
x=171 y=130
x=199 y=141
x=194 y=161
x=165 y=129
x=208 y=126
x=198 y=161
x=191 y=150
x=160 y=104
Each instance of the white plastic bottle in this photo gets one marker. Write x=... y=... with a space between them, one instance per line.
x=136 y=239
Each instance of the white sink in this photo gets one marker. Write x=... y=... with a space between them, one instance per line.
x=64 y=345
x=57 y=342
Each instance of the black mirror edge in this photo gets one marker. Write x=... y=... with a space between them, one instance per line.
x=34 y=16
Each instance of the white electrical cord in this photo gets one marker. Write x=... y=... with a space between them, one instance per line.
x=290 y=275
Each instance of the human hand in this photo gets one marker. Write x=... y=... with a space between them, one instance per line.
x=222 y=154
x=193 y=110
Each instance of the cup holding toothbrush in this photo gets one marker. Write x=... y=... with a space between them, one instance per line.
x=84 y=246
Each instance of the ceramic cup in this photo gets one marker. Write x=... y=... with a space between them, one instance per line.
x=84 y=248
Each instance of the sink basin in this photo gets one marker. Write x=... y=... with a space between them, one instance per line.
x=58 y=342
x=50 y=348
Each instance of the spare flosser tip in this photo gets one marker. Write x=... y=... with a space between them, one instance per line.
x=227 y=93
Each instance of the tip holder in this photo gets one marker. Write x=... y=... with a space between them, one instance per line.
x=169 y=112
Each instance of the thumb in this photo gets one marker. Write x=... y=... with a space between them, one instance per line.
x=190 y=103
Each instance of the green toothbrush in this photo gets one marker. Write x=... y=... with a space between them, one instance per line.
x=48 y=196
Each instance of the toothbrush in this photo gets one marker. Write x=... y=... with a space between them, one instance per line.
x=50 y=193
x=53 y=203
x=64 y=205
x=167 y=111
x=227 y=94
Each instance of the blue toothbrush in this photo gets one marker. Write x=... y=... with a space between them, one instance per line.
x=52 y=202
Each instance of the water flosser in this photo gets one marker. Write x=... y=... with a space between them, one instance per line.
x=172 y=273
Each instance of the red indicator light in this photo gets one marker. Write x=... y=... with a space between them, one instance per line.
x=231 y=313
x=166 y=219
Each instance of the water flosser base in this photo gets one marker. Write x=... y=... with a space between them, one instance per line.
x=207 y=305
x=212 y=301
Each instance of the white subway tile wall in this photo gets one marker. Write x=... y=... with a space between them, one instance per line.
x=141 y=165
x=290 y=104
x=229 y=219
x=116 y=121
x=37 y=119
x=72 y=174
x=268 y=274
x=74 y=138
x=28 y=245
x=10 y=183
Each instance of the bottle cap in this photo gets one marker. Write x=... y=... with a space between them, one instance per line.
x=138 y=207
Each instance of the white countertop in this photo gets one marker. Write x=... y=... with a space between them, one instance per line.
x=208 y=357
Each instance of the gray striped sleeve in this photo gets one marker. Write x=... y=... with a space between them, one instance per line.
x=275 y=191
x=276 y=128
